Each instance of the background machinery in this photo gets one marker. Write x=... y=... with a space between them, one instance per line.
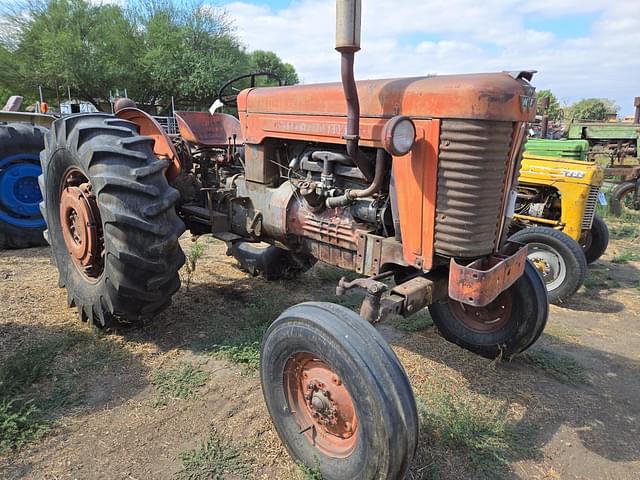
x=620 y=142
x=555 y=213
x=410 y=179
x=21 y=140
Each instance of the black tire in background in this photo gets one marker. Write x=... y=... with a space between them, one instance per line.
x=384 y=442
x=597 y=240
x=558 y=257
x=140 y=228
x=617 y=200
x=24 y=142
x=509 y=325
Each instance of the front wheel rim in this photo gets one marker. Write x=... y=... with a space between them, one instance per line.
x=321 y=404
x=487 y=319
x=549 y=263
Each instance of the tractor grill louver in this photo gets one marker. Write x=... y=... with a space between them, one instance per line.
x=590 y=208
x=471 y=180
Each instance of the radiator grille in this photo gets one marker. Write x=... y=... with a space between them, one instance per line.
x=472 y=172
x=590 y=208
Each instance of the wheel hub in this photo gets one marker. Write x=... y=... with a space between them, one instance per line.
x=321 y=404
x=19 y=192
x=81 y=227
x=549 y=263
x=485 y=319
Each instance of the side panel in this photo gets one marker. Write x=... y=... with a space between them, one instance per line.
x=416 y=176
x=309 y=128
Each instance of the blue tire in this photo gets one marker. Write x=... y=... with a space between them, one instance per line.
x=21 y=223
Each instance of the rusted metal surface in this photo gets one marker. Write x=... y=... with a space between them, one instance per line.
x=163 y=146
x=123 y=103
x=544 y=121
x=479 y=283
x=629 y=173
x=352 y=134
x=321 y=405
x=485 y=319
x=491 y=96
x=81 y=226
x=205 y=130
x=472 y=175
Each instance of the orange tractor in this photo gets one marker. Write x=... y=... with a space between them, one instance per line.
x=409 y=182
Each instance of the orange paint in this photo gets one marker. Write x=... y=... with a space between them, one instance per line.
x=416 y=177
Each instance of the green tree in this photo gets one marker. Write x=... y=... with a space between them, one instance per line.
x=554 y=111
x=262 y=61
x=89 y=48
x=156 y=49
x=593 y=109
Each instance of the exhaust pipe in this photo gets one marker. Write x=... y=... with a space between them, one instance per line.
x=348 y=25
x=636 y=117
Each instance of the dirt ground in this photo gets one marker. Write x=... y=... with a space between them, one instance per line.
x=577 y=392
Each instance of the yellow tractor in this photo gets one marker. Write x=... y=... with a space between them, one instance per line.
x=555 y=215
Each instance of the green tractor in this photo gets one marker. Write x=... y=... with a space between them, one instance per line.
x=620 y=142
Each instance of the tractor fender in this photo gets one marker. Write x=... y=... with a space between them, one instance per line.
x=163 y=146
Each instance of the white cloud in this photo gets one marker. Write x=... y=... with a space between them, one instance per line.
x=404 y=37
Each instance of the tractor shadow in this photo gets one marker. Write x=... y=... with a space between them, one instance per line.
x=224 y=307
x=64 y=373
x=599 y=409
x=603 y=280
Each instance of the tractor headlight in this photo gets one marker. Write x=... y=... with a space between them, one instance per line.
x=399 y=136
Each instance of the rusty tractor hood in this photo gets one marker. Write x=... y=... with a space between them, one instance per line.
x=490 y=96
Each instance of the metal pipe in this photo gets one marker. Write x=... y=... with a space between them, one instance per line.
x=352 y=136
x=350 y=195
x=636 y=117
x=544 y=123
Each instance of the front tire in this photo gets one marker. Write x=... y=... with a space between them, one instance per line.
x=597 y=240
x=337 y=394
x=507 y=326
x=21 y=225
x=111 y=221
x=558 y=257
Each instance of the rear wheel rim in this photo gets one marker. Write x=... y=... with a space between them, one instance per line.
x=81 y=225
x=19 y=191
x=487 y=319
x=549 y=263
x=321 y=404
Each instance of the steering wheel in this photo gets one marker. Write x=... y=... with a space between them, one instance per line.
x=230 y=99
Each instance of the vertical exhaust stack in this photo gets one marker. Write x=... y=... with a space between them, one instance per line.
x=348 y=26
x=544 y=123
x=636 y=117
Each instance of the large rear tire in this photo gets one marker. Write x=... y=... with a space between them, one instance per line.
x=337 y=394
x=623 y=199
x=597 y=240
x=509 y=325
x=21 y=224
x=111 y=220
x=559 y=259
